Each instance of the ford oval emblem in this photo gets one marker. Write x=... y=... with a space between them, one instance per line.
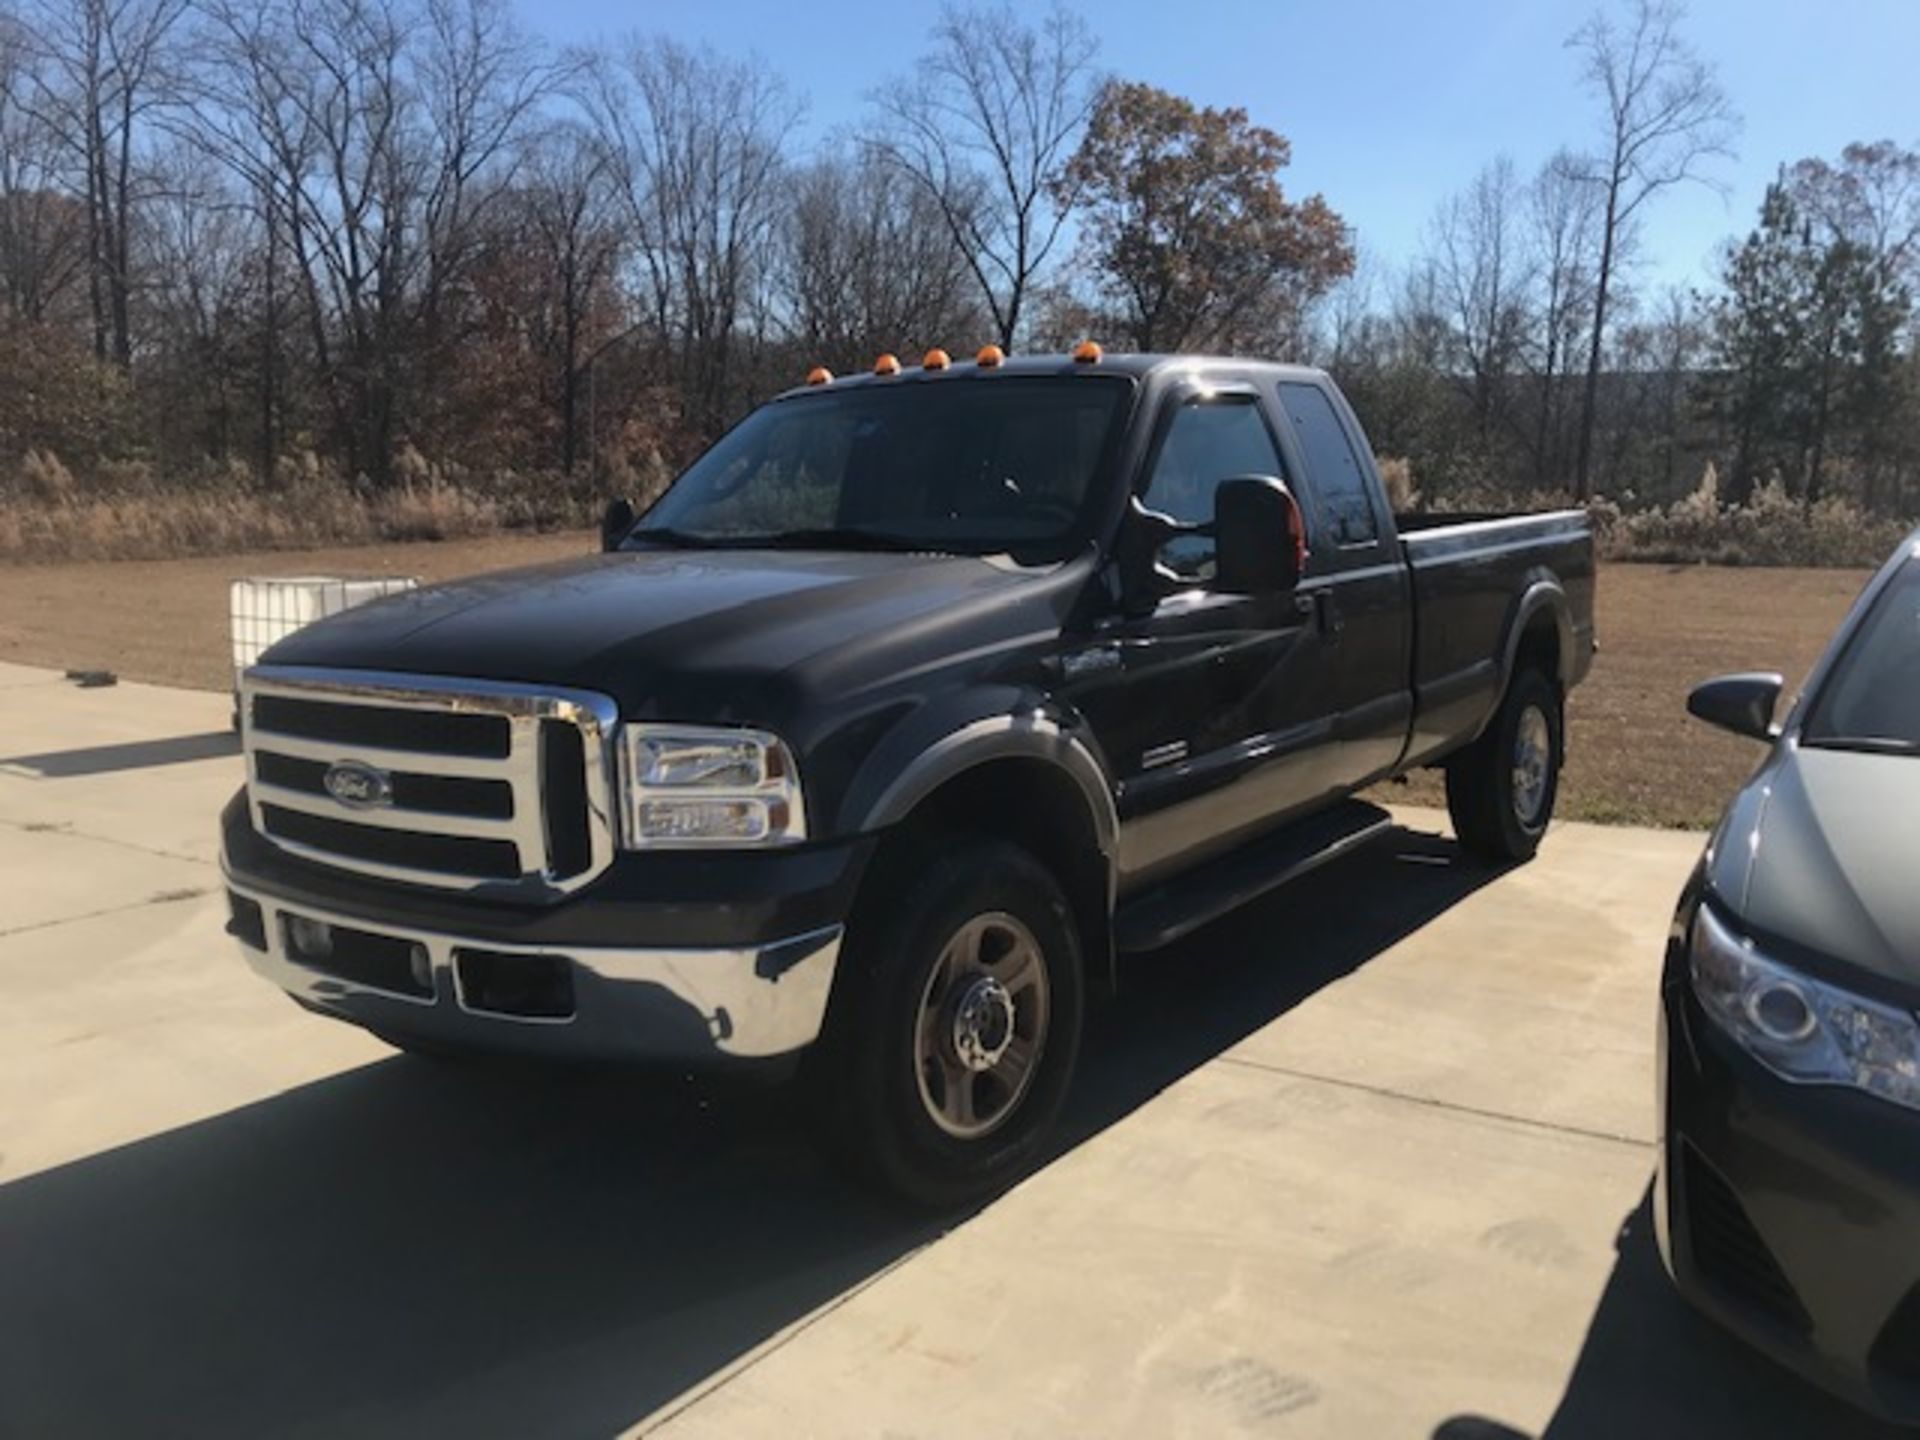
x=357 y=786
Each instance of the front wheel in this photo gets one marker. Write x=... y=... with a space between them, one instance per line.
x=1501 y=789
x=955 y=1026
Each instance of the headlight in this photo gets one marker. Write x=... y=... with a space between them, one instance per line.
x=691 y=785
x=1798 y=1027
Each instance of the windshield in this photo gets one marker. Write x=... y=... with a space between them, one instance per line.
x=989 y=466
x=1872 y=698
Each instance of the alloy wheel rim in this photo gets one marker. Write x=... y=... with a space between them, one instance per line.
x=1532 y=764
x=981 y=1026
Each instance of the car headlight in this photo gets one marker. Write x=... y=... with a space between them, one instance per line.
x=1800 y=1028
x=695 y=785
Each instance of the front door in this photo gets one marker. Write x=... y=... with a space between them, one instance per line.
x=1212 y=709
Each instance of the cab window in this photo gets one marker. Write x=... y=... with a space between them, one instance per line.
x=1207 y=441
x=1333 y=469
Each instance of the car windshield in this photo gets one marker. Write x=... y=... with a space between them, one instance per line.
x=1871 y=701
x=971 y=466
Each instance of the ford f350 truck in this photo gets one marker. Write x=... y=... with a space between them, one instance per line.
x=914 y=702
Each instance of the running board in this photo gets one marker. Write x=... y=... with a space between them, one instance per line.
x=1183 y=904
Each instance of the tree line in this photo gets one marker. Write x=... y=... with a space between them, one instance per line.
x=392 y=234
x=246 y=241
x=1516 y=355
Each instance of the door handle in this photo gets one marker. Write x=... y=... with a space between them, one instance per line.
x=1325 y=610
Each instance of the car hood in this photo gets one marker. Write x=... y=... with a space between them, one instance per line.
x=667 y=631
x=1819 y=851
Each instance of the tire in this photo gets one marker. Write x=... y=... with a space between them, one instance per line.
x=937 y=999
x=1501 y=789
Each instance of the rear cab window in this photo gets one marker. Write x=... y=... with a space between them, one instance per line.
x=1342 y=490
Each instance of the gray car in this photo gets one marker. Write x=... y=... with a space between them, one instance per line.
x=1788 y=1201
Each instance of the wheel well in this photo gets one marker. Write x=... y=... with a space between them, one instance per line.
x=1035 y=805
x=1539 y=647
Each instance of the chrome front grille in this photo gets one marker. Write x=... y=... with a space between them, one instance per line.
x=461 y=784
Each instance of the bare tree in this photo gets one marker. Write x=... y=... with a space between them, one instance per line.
x=1665 y=117
x=986 y=126
x=480 y=81
x=199 y=243
x=869 y=265
x=1482 y=269
x=43 y=228
x=1658 y=356
x=696 y=144
x=568 y=205
x=105 y=65
x=1347 y=318
x=1563 y=218
x=375 y=135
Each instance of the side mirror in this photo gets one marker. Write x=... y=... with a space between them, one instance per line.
x=1259 y=537
x=1743 y=703
x=615 y=523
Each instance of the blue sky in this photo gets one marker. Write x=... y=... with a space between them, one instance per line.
x=1390 y=104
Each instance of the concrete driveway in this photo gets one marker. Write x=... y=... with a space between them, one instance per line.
x=1369 y=1159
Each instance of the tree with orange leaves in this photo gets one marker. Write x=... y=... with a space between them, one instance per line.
x=1188 y=229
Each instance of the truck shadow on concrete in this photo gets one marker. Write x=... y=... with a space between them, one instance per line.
x=409 y=1249
x=128 y=755
x=1653 y=1366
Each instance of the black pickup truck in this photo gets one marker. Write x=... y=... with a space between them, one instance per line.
x=915 y=701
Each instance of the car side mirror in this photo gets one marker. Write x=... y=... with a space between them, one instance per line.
x=1742 y=703
x=615 y=523
x=1259 y=536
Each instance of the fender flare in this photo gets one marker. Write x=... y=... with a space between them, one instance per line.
x=1030 y=736
x=1542 y=594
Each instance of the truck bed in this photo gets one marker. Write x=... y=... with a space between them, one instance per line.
x=1471 y=573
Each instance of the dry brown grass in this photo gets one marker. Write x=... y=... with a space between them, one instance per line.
x=133 y=526
x=166 y=620
x=1634 y=756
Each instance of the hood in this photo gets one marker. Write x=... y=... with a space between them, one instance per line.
x=667 y=630
x=1819 y=851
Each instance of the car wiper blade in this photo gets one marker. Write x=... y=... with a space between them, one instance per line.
x=667 y=535
x=835 y=537
x=1869 y=744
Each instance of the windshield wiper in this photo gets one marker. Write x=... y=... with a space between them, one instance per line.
x=1868 y=744
x=832 y=537
x=667 y=535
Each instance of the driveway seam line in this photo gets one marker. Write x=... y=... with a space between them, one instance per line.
x=30 y=827
x=1613 y=1137
x=96 y=914
x=773 y=1347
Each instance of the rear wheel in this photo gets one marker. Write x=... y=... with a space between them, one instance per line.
x=1501 y=789
x=955 y=1026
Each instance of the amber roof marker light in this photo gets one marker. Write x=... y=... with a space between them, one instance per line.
x=989 y=356
x=1086 y=353
x=888 y=364
x=936 y=359
x=819 y=375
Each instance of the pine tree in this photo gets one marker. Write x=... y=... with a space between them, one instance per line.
x=1759 y=332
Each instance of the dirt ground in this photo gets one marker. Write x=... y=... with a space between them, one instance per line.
x=1633 y=755
x=165 y=621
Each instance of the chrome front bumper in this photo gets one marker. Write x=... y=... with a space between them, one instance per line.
x=682 y=1005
